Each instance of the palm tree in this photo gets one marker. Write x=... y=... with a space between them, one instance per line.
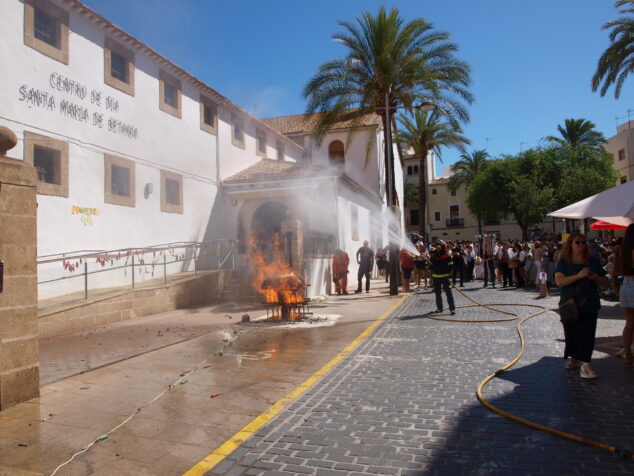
x=387 y=58
x=428 y=131
x=617 y=61
x=578 y=133
x=466 y=170
x=411 y=192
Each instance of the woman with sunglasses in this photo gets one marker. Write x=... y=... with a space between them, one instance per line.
x=579 y=276
x=624 y=266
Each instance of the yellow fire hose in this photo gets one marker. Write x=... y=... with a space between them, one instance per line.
x=612 y=449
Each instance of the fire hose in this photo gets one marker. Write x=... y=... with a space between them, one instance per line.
x=625 y=454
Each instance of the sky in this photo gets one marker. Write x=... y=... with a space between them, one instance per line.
x=532 y=61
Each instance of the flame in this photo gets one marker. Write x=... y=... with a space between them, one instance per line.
x=274 y=278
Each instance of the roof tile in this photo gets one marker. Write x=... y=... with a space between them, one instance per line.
x=300 y=123
x=270 y=169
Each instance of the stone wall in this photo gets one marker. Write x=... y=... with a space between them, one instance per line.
x=198 y=291
x=19 y=366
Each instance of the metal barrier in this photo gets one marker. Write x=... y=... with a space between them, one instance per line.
x=216 y=254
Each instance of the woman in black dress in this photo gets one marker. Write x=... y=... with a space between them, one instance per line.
x=579 y=275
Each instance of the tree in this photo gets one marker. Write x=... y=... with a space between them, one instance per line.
x=411 y=192
x=428 y=131
x=529 y=185
x=387 y=58
x=617 y=61
x=584 y=172
x=482 y=202
x=577 y=133
x=466 y=170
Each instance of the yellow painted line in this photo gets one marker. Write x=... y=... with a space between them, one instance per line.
x=224 y=450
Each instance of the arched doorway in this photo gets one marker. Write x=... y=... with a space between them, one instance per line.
x=266 y=231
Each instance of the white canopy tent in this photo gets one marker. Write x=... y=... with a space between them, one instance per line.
x=615 y=205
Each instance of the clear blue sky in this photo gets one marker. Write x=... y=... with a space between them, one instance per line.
x=532 y=61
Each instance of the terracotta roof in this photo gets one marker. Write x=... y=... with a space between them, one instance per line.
x=439 y=180
x=298 y=123
x=270 y=169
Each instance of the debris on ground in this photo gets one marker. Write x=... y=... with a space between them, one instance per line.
x=245 y=318
x=215 y=395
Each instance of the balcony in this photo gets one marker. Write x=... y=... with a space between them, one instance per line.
x=455 y=222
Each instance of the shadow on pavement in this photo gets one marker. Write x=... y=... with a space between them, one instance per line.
x=480 y=442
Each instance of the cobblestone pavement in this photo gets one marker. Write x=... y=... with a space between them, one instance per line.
x=403 y=403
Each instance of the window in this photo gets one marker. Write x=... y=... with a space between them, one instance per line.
x=409 y=170
x=453 y=193
x=336 y=152
x=622 y=154
x=237 y=131
x=47 y=163
x=354 y=222
x=50 y=158
x=46 y=29
x=415 y=169
x=260 y=143
x=208 y=115
x=170 y=97
x=436 y=216
x=119 y=181
x=170 y=94
x=413 y=217
x=434 y=191
x=118 y=67
x=280 y=150
x=454 y=211
x=624 y=179
x=171 y=192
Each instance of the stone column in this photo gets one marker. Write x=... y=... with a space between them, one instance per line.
x=19 y=364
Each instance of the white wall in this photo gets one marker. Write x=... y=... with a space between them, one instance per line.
x=162 y=141
x=356 y=154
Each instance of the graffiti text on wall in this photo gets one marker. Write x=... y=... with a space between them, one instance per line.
x=75 y=110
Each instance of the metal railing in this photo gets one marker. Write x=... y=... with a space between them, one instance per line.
x=206 y=255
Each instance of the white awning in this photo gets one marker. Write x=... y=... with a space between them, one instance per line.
x=615 y=205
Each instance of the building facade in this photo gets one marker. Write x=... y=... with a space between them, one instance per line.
x=621 y=147
x=449 y=217
x=132 y=151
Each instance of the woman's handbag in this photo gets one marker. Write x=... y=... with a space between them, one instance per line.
x=569 y=311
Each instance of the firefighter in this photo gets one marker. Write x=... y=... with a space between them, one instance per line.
x=340 y=262
x=441 y=266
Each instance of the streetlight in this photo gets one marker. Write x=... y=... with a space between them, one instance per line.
x=393 y=257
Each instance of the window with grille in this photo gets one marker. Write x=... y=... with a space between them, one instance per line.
x=336 y=152
x=45 y=27
x=47 y=163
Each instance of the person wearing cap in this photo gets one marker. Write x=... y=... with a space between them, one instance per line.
x=441 y=265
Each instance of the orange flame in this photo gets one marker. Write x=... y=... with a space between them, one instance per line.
x=275 y=279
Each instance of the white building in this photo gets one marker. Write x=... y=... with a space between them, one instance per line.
x=132 y=151
x=621 y=146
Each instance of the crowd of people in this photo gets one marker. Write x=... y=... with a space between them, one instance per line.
x=584 y=271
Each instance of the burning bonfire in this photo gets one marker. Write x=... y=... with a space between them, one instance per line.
x=283 y=289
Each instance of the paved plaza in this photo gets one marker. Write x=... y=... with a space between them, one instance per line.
x=404 y=403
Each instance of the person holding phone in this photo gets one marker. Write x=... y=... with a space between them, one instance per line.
x=579 y=276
